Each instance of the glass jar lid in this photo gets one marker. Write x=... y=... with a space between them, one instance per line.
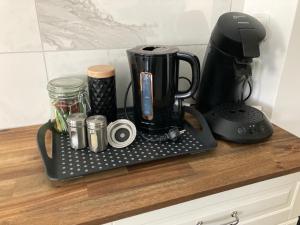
x=66 y=87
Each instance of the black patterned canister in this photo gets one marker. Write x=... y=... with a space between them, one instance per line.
x=102 y=91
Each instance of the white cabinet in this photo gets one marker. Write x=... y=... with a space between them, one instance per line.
x=296 y=202
x=290 y=222
x=268 y=219
x=270 y=202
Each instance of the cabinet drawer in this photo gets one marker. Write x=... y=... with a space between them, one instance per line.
x=290 y=222
x=267 y=219
x=254 y=201
x=273 y=218
x=296 y=202
x=268 y=209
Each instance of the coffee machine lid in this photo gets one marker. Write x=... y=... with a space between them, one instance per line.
x=238 y=34
x=153 y=50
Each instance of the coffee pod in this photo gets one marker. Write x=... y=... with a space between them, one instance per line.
x=121 y=133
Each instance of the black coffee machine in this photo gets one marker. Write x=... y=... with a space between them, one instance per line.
x=226 y=76
x=233 y=44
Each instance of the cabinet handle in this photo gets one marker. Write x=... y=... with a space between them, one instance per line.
x=233 y=214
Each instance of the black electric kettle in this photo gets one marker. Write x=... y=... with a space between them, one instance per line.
x=154 y=77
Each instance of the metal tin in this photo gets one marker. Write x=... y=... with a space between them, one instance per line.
x=97 y=134
x=77 y=130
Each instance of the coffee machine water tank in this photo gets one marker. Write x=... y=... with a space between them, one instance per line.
x=233 y=44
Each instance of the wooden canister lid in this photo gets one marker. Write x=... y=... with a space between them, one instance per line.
x=101 y=71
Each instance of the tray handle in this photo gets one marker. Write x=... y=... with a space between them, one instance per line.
x=48 y=162
x=205 y=135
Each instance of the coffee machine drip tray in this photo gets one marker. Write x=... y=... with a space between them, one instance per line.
x=239 y=123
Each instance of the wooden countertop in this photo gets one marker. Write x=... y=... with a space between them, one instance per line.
x=28 y=197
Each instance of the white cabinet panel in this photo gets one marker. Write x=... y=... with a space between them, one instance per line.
x=290 y=222
x=296 y=202
x=268 y=219
x=266 y=203
x=254 y=206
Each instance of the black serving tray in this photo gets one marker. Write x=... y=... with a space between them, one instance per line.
x=67 y=163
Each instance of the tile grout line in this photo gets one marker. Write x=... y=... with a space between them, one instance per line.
x=42 y=46
x=107 y=49
x=20 y=52
x=95 y=49
x=230 y=6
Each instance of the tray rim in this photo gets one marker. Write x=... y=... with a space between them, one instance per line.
x=209 y=143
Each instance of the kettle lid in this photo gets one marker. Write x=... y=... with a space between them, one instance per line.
x=238 y=34
x=153 y=50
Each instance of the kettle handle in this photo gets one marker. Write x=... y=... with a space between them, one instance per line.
x=195 y=65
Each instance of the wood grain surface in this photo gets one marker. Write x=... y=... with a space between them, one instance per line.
x=28 y=197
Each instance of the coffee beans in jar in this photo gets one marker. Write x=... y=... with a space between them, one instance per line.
x=68 y=95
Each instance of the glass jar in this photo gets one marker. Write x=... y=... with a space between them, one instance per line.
x=67 y=95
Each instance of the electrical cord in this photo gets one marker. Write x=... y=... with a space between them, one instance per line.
x=250 y=90
x=172 y=135
x=125 y=101
x=248 y=81
x=189 y=81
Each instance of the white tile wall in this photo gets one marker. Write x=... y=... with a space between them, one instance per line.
x=44 y=39
x=19 y=26
x=118 y=58
x=286 y=110
x=66 y=63
x=23 y=95
x=110 y=24
x=279 y=20
x=70 y=63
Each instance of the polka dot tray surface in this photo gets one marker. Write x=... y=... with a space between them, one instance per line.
x=68 y=163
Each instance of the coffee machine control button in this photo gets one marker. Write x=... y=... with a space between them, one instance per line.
x=242 y=130
x=252 y=129
x=262 y=128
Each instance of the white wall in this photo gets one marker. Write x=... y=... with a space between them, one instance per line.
x=286 y=112
x=278 y=17
x=43 y=39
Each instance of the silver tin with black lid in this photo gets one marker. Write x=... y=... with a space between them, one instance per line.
x=77 y=130
x=97 y=133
